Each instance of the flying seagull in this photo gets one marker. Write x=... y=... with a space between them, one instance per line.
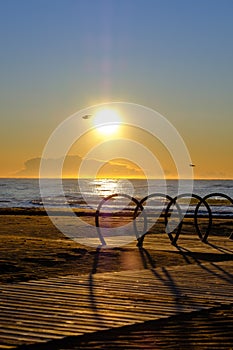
x=87 y=116
x=192 y=165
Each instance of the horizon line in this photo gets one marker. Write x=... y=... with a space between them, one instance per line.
x=113 y=177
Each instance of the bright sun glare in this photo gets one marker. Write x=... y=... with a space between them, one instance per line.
x=107 y=121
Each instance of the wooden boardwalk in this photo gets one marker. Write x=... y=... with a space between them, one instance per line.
x=38 y=311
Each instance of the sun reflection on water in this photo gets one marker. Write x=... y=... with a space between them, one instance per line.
x=107 y=187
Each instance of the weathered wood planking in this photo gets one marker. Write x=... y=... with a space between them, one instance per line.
x=38 y=311
x=205 y=330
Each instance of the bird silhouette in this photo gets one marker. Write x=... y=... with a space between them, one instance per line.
x=87 y=116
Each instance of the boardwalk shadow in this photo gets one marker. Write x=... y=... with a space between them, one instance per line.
x=93 y=300
x=212 y=258
x=163 y=274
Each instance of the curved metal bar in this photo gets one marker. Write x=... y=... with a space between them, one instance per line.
x=172 y=201
x=214 y=194
x=104 y=200
x=201 y=200
x=218 y=194
x=172 y=239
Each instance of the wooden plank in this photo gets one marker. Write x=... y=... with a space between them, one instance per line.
x=37 y=311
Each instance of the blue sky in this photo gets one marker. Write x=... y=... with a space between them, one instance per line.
x=58 y=57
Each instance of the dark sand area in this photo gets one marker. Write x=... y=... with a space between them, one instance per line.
x=33 y=248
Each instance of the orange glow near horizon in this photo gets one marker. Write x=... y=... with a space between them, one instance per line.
x=112 y=170
x=204 y=169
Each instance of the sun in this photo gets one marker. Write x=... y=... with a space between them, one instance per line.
x=106 y=121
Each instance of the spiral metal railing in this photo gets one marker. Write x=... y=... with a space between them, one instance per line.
x=172 y=202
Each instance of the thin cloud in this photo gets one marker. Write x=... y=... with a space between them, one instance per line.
x=71 y=167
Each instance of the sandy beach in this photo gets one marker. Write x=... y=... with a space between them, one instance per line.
x=33 y=248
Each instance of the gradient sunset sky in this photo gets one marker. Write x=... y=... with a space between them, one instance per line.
x=174 y=56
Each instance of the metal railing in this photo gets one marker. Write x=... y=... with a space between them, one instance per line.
x=172 y=202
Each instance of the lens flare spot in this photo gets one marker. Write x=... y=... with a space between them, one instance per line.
x=107 y=121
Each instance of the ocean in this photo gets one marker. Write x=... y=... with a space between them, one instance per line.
x=87 y=193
